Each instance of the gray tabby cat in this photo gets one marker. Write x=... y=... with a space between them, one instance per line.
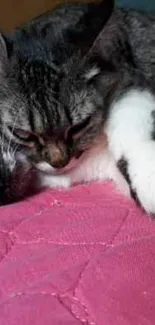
x=82 y=96
x=32 y=64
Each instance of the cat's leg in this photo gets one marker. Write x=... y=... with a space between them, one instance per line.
x=96 y=164
x=130 y=133
x=99 y=164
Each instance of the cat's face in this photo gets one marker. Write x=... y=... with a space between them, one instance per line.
x=52 y=121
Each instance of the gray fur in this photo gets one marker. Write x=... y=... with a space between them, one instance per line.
x=37 y=61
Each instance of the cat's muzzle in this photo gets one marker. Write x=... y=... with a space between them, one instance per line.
x=58 y=154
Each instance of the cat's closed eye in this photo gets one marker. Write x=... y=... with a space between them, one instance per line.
x=76 y=130
x=22 y=134
x=27 y=138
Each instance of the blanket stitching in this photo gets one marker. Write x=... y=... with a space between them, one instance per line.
x=43 y=240
x=118 y=230
x=59 y=297
x=107 y=247
x=57 y=203
x=39 y=213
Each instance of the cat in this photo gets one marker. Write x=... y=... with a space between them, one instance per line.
x=100 y=105
x=31 y=61
x=124 y=71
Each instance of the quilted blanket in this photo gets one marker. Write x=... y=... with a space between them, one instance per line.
x=81 y=256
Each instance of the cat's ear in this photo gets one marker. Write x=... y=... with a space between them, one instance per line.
x=91 y=24
x=94 y=66
x=3 y=55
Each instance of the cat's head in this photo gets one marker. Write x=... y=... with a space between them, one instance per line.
x=51 y=113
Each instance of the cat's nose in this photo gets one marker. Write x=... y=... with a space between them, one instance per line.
x=57 y=155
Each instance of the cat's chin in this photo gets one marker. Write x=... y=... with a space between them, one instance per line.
x=45 y=167
x=48 y=169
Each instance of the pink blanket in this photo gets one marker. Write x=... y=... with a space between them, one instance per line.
x=83 y=256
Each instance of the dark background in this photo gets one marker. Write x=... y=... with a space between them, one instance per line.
x=16 y=12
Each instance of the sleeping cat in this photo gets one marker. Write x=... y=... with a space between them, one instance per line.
x=90 y=115
x=31 y=60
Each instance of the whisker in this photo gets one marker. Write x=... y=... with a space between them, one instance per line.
x=13 y=152
x=13 y=127
x=3 y=135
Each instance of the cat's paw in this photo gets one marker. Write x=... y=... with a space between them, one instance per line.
x=120 y=181
x=123 y=187
x=53 y=181
x=141 y=169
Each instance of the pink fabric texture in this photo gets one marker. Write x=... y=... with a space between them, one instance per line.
x=81 y=256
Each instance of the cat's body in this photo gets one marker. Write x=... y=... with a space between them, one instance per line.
x=127 y=42
x=76 y=91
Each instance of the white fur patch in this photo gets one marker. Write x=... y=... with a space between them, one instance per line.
x=95 y=164
x=129 y=131
x=45 y=167
x=130 y=122
x=9 y=160
x=92 y=73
